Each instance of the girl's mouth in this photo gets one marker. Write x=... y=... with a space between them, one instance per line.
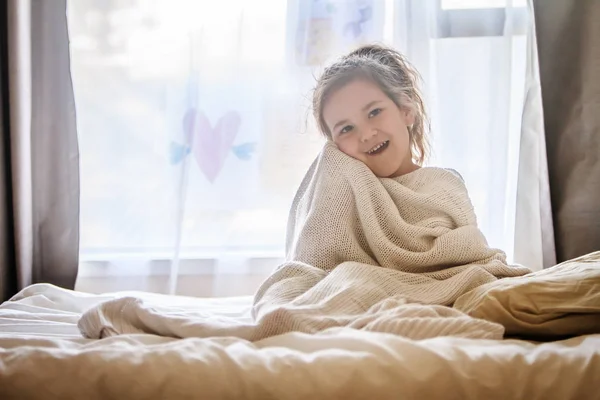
x=379 y=148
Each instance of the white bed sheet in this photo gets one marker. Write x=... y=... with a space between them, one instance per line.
x=42 y=355
x=44 y=310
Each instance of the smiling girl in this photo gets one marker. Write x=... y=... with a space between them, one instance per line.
x=369 y=105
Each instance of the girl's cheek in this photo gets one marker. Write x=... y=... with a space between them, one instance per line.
x=347 y=149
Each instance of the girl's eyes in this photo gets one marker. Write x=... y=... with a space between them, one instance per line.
x=372 y=114
x=375 y=112
x=346 y=129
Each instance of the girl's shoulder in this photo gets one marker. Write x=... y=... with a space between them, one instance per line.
x=455 y=172
x=441 y=171
x=432 y=175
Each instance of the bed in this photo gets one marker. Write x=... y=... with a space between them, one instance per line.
x=391 y=293
x=44 y=356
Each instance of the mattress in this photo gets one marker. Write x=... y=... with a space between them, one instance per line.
x=43 y=356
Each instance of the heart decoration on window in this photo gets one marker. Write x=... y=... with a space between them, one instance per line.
x=210 y=145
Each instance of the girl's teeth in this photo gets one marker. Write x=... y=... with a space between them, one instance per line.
x=376 y=148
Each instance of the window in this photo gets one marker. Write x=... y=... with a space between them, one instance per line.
x=478 y=18
x=480 y=4
x=155 y=78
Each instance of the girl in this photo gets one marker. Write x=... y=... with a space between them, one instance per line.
x=369 y=105
x=369 y=229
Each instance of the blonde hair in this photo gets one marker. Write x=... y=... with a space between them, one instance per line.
x=394 y=75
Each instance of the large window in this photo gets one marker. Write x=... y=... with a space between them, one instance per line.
x=195 y=126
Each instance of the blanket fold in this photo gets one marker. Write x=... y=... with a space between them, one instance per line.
x=388 y=255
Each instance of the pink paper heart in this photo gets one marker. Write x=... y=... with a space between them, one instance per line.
x=211 y=145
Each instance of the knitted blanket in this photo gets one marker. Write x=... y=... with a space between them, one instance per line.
x=384 y=255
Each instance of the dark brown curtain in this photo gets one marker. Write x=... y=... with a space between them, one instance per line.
x=39 y=158
x=568 y=35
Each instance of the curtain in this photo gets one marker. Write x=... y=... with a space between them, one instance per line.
x=39 y=193
x=195 y=126
x=569 y=54
x=534 y=232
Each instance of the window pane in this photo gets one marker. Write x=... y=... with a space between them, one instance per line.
x=462 y=4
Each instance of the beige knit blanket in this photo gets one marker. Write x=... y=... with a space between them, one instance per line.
x=385 y=255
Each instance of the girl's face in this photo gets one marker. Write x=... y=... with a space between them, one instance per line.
x=368 y=126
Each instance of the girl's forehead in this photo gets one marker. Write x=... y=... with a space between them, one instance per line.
x=351 y=97
x=362 y=86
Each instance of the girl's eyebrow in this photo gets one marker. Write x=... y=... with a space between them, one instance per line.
x=365 y=108
x=371 y=104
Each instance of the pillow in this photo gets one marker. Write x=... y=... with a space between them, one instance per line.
x=550 y=304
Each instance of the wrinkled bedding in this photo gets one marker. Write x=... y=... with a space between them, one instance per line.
x=43 y=357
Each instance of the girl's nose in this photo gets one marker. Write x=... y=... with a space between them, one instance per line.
x=369 y=133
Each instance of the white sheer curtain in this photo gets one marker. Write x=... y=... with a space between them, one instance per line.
x=195 y=127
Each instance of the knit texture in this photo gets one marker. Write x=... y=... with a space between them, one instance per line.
x=377 y=254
